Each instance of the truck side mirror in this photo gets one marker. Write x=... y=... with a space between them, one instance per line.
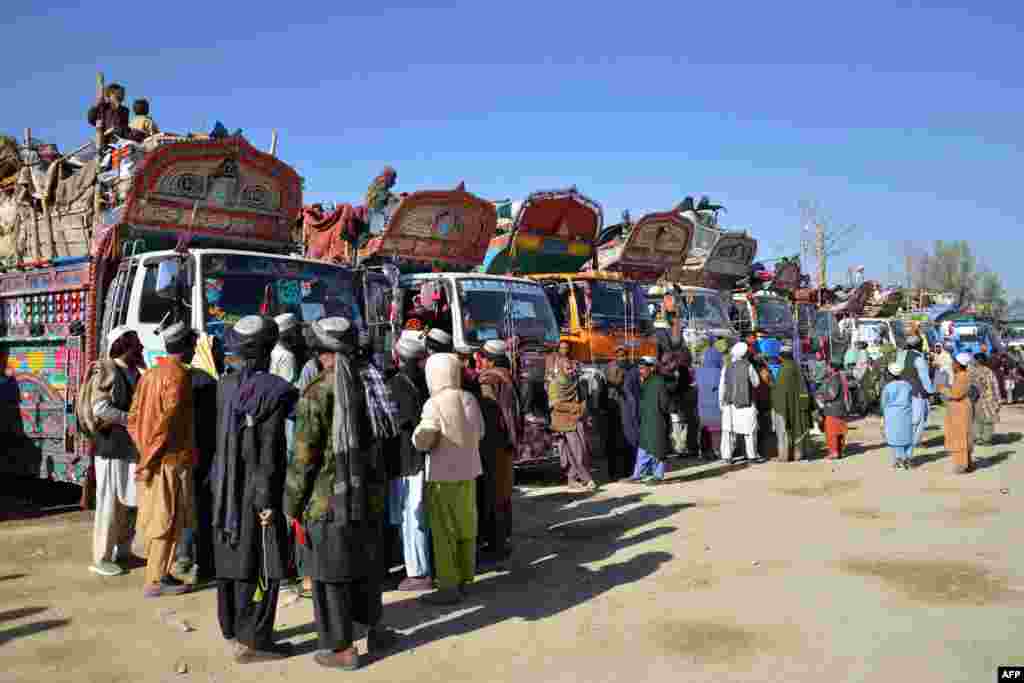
x=167 y=275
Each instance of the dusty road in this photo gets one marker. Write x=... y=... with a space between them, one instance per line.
x=778 y=572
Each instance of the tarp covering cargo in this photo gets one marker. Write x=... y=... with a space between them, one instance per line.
x=553 y=232
x=646 y=250
x=721 y=259
x=451 y=227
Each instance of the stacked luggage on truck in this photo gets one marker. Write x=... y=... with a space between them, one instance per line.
x=700 y=289
x=140 y=234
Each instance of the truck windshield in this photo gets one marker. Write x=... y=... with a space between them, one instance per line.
x=774 y=313
x=704 y=308
x=236 y=285
x=497 y=309
x=608 y=306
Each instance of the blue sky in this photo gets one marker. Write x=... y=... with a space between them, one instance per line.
x=904 y=118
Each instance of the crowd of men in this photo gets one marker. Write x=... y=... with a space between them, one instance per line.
x=291 y=469
x=294 y=465
x=755 y=402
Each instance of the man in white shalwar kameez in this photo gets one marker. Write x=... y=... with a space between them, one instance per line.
x=115 y=455
x=736 y=397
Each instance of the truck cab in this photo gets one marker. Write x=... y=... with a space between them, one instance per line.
x=877 y=333
x=599 y=312
x=218 y=287
x=762 y=315
x=475 y=308
x=704 y=311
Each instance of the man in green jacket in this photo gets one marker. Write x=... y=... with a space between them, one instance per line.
x=655 y=422
x=790 y=418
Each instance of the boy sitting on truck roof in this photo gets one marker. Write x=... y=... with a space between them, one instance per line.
x=142 y=121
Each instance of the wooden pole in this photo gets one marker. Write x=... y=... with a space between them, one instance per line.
x=273 y=144
x=31 y=203
x=97 y=198
x=819 y=247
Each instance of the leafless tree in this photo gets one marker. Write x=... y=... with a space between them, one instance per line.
x=822 y=237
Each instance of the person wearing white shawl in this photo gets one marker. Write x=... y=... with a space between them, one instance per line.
x=735 y=396
x=450 y=429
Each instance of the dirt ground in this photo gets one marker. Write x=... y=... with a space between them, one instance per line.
x=808 y=571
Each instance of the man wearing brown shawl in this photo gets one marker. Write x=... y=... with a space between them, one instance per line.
x=161 y=424
x=499 y=404
x=567 y=418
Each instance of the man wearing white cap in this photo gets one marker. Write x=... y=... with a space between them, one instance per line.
x=736 y=397
x=336 y=488
x=406 y=467
x=959 y=414
x=284 y=360
x=439 y=341
x=499 y=404
x=115 y=455
x=286 y=364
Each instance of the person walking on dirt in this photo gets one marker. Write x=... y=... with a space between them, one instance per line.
x=161 y=422
x=960 y=414
x=832 y=397
x=450 y=429
x=736 y=399
x=915 y=371
x=336 y=488
x=250 y=533
x=115 y=454
x=897 y=417
x=986 y=409
x=656 y=406
x=408 y=502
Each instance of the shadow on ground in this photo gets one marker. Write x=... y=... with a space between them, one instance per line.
x=548 y=572
x=13 y=632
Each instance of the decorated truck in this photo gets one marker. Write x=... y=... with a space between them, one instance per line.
x=175 y=228
x=430 y=245
x=552 y=241
x=701 y=286
x=593 y=277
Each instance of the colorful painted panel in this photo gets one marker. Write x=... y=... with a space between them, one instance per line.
x=215 y=187
x=447 y=227
x=553 y=233
x=48 y=315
